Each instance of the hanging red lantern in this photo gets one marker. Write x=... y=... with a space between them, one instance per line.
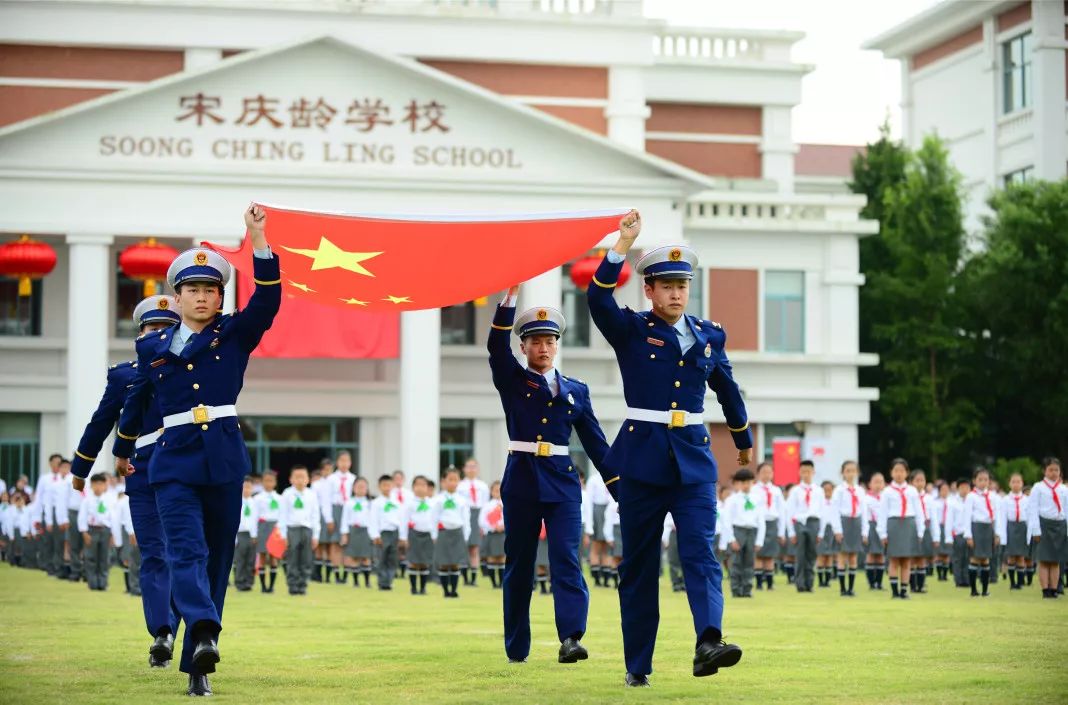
x=26 y=259
x=147 y=262
x=582 y=270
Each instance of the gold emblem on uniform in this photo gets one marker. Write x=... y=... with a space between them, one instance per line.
x=214 y=343
x=571 y=399
x=675 y=255
x=162 y=303
x=708 y=350
x=542 y=314
x=201 y=258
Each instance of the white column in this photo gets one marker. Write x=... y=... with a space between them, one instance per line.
x=198 y=57
x=89 y=320
x=546 y=289
x=777 y=147
x=420 y=391
x=906 y=104
x=1048 y=79
x=626 y=110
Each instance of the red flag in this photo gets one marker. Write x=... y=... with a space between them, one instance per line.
x=338 y=333
x=276 y=545
x=495 y=518
x=786 y=460
x=402 y=263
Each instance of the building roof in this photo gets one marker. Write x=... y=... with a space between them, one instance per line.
x=935 y=24
x=826 y=159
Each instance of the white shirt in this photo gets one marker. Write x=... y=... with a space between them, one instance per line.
x=774 y=504
x=976 y=510
x=306 y=515
x=586 y=512
x=1043 y=506
x=123 y=519
x=873 y=506
x=669 y=526
x=249 y=518
x=803 y=504
x=338 y=490
x=74 y=497
x=900 y=501
x=96 y=511
x=848 y=502
x=743 y=510
x=321 y=487
x=357 y=512
x=265 y=511
x=491 y=517
x=400 y=495
x=828 y=513
x=1014 y=508
x=419 y=516
x=47 y=485
x=387 y=515
x=451 y=511
x=597 y=490
x=477 y=498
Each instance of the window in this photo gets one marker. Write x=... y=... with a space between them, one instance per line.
x=19 y=315
x=128 y=293
x=784 y=311
x=457 y=442
x=458 y=324
x=1016 y=72
x=19 y=447
x=1020 y=176
x=773 y=431
x=695 y=306
x=576 y=312
x=281 y=443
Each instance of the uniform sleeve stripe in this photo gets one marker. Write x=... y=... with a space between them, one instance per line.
x=739 y=430
x=603 y=285
x=83 y=456
x=125 y=437
x=261 y=282
x=611 y=481
x=494 y=325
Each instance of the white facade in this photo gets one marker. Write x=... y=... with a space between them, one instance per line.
x=953 y=75
x=67 y=178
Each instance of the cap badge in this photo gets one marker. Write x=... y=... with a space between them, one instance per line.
x=163 y=304
x=542 y=314
x=201 y=258
x=675 y=255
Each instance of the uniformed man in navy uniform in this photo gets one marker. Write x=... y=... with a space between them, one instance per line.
x=153 y=313
x=662 y=452
x=196 y=370
x=541 y=483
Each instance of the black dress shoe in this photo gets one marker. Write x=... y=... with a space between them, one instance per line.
x=572 y=651
x=198 y=686
x=205 y=656
x=712 y=656
x=162 y=651
x=634 y=681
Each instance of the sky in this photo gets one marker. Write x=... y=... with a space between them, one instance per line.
x=850 y=91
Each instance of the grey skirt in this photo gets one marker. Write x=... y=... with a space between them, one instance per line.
x=1016 y=539
x=875 y=544
x=542 y=558
x=946 y=547
x=617 y=541
x=770 y=549
x=359 y=545
x=927 y=543
x=450 y=548
x=851 y=537
x=983 y=540
x=335 y=535
x=826 y=545
x=420 y=548
x=1051 y=548
x=598 y=522
x=494 y=544
x=263 y=532
x=475 y=538
x=901 y=537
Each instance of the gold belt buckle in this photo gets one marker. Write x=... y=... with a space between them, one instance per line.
x=678 y=419
x=544 y=449
x=200 y=414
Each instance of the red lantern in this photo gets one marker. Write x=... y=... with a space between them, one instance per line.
x=582 y=270
x=26 y=259
x=148 y=262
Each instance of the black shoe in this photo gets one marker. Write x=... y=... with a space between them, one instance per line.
x=634 y=681
x=205 y=656
x=384 y=587
x=198 y=686
x=162 y=651
x=571 y=651
x=712 y=656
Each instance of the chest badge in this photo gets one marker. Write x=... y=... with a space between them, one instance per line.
x=655 y=341
x=571 y=399
x=708 y=349
x=215 y=343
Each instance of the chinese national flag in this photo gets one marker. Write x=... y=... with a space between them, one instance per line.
x=276 y=545
x=392 y=263
x=786 y=460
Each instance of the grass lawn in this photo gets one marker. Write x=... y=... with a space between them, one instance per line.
x=59 y=643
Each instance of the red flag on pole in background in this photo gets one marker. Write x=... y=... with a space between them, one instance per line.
x=376 y=263
x=786 y=460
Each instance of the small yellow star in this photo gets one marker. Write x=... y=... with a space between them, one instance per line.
x=397 y=299
x=330 y=256
x=355 y=302
x=303 y=287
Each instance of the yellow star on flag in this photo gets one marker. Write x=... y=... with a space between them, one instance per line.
x=355 y=302
x=303 y=287
x=397 y=299
x=330 y=256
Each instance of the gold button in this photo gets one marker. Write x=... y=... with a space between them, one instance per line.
x=203 y=427
x=196 y=386
x=161 y=375
x=189 y=366
x=200 y=405
x=706 y=439
x=216 y=357
x=550 y=403
x=680 y=363
x=677 y=384
x=163 y=443
x=545 y=420
x=569 y=411
x=650 y=324
x=528 y=395
x=539 y=436
x=652 y=356
x=630 y=428
x=569 y=468
x=163 y=337
x=674 y=404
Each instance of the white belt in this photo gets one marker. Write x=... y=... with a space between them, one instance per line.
x=541 y=448
x=673 y=418
x=147 y=439
x=199 y=414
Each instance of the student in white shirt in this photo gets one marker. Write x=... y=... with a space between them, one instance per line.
x=419 y=529
x=339 y=492
x=99 y=529
x=924 y=548
x=491 y=523
x=847 y=520
x=981 y=512
x=803 y=509
x=600 y=567
x=245 y=549
x=268 y=507
x=129 y=553
x=299 y=524
x=329 y=533
x=826 y=543
x=356 y=535
x=1012 y=531
x=743 y=527
x=477 y=493
x=955 y=520
x=774 y=504
x=614 y=531
x=451 y=515
x=670 y=540
x=940 y=511
x=1047 y=526
x=875 y=560
x=401 y=494
x=899 y=528
x=387 y=525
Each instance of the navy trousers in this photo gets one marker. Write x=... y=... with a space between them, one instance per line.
x=155 y=573
x=200 y=523
x=571 y=598
x=642 y=508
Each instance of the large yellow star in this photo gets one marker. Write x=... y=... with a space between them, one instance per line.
x=397 y=299
x=355 y=302
x=303 y=287
x=329 y=256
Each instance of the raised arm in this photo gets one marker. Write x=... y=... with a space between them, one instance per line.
x=607 y=316
x=258 y=315
x=503 y=365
